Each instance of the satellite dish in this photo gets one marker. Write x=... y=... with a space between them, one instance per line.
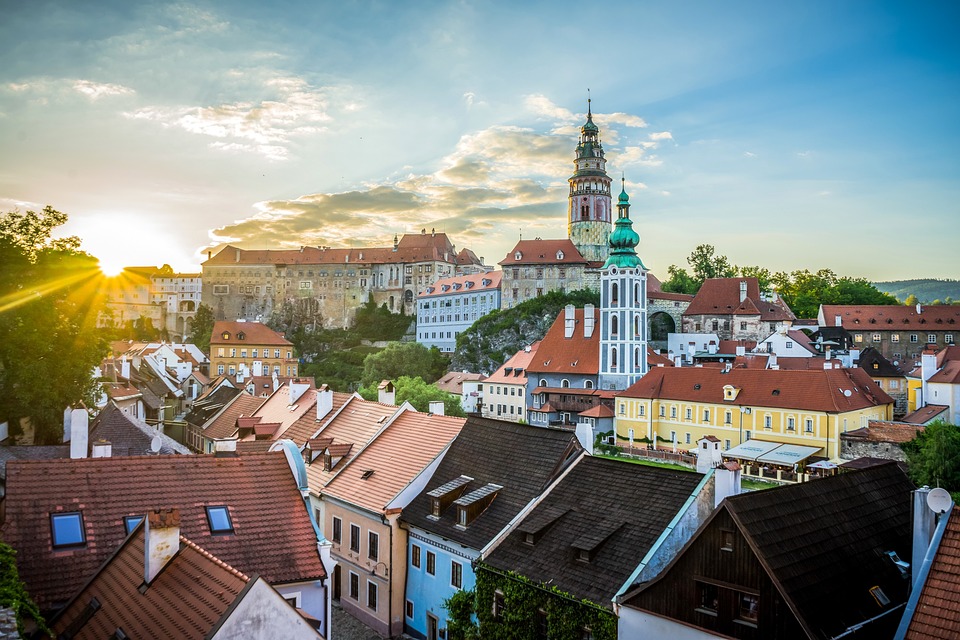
x=155 y=444
x=939 y=500
x=847 y=393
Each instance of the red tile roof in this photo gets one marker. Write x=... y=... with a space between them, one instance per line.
x=883 y=431
x=254 y=333
x=925 y=414
x=307 y=425
x=599 y=411
x=938 y=610
x=891 y=317
x=185 y=600
x=380 y=471
x=543 y=252
x=273 y=533
x=721 y=296
x=949 y=374
x=574 y=355
x=811 y=390
x=473 y=283
x=224 y=425
x=517 y=365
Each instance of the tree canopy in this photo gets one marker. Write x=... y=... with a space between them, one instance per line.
x=50 y=298
x=419 y=394
x=933 y=457
x=202 y=329
x=404 y=359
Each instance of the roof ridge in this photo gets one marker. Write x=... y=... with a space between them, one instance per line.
x=209 y=556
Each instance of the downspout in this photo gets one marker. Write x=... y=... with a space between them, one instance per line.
x=390 y=585
x=921 y=578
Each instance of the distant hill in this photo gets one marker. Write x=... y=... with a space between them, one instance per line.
x=926 y=290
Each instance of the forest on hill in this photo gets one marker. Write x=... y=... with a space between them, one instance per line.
x=925 y=290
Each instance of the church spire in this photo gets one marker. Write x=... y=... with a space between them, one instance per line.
x=624 y=240
x=589 y=210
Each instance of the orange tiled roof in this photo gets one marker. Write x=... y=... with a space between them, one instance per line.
x=721 y=296
x=599 y=411
x=574 y=355
x=473 y=283
x=811 y=390
x=307 y=425
x=883 y=431
x=453 y=381
x=925 y=414
x=937 y=614
x=379 y=472
x=517 y=365
x=254 y=333
x=948 y=374
x=891 y=317
x=543 y=252
x=192 y=576
x=273 y=533
x=224 y=425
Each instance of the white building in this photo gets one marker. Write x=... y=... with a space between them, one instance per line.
x=450 y=305
x=504 y=397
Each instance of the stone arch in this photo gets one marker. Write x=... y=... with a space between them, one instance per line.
x=661 y=324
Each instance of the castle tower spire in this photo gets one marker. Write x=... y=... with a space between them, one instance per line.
x=588 y=209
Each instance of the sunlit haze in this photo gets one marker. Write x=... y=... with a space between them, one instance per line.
x=801 y=135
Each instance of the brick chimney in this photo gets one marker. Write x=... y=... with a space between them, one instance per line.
x=588 y=321
x=161 y=541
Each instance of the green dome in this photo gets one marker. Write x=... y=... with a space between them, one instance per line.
x=624 y=240
x=624 y=198
x=589 y=126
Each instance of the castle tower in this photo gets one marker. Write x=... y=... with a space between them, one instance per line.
x=623 y=306
x=589 y=211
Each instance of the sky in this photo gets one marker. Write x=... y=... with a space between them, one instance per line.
x=803 y=135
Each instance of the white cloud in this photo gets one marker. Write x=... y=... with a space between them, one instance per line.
x=543 y=106
x=625 y=119
x=661 y=135
x=749 y=154
x=97 y=90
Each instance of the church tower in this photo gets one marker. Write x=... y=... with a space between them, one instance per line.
x=623 y=306
x=589 y=211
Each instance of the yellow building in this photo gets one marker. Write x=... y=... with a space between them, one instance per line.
x=802 y=407
x=255 y=347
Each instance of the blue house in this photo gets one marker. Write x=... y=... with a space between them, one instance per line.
x=492 y=472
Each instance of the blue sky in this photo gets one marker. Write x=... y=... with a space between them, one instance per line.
x=802 y=135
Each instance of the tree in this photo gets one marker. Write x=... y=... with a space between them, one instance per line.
x=679 y=281
x=804 y=292
x=13 y=593
x=202 y=328
x=933 y=457
x=404 y=359
x=50 y=298
x=419 y=394
x=706 y=264
x=911 y=301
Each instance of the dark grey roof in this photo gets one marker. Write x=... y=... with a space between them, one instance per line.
x=129 y=437
x=31 y=452
x=824 y=543
x=883 y=369
x=613 y=509
x=205 y=409
x=520 y=458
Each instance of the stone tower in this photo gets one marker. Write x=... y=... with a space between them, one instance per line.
x=623 y=306
x=589 y=210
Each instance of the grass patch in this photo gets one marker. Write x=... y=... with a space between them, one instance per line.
x=649 y=463
x=756 y=485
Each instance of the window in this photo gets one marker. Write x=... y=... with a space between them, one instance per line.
x=219 y=520
x=456 y=574
x=337 y=533
x=749 y=606
x=706 y=415
x=371 y=595
x=808 y=425
x=789 y=344
x=415 y=556
x=931 y=337
x=354 y=538
x=67 y=529
x=858 y=337
x=726 y=539
x=767 y=422
x=791 y=424
x=708 y=597
x=409 y=609
x=354 y=586
x=130 y=523
x=642 y=410
x=431 y=563
x=498 y=605
x=877 y=337
x=948 y=338
x=689 y=414
x=373 y=545
x=673 y=412
x=895 y=337
x=743 y=326
x=913 y=337
x=727 y=417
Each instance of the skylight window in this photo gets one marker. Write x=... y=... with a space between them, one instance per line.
x=67 y=529
x=219 y=520
x=130 y=523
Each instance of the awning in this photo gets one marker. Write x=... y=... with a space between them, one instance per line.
x=822 y=464
x=751 y=449
x=788 y=454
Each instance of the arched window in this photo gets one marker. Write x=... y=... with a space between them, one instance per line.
x=614 y=325
x=588 y=384
x=565 y=384
x=637 y=328
x=636 y=293
x=636 y=357
x=613 y=359
x=614 y=293
x=542 y=383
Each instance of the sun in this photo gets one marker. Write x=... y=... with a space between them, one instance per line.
x=110 y=267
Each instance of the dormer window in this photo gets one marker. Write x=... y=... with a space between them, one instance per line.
x=517 y=255
x=241 y=336
x=559 y=254
x=474 y=503
x=225 y=335
x=445 y=494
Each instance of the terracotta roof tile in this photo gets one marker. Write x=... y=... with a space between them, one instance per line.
x=938 y=610
x=308 y=424
x=514 y=370
x=720 y=296
x=224 y=425
x=254 y=333
x=925 y=414
x=473 y=283
x=810 y=389
x=453 y=382
x=891 y=317
x=882 y=431
x=395 y=457
x=274 y=535
x=543 y=252
x=948 y=374
x=574 y=355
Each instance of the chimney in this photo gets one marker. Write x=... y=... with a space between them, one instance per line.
x=386 y=393
x=125 y=368
x=324 y=401
x=526 y=349
x=225 y=447
x=828 y=352
x=102 y=449
x=161 y=541
x=79 y=433
x=238 y=255
x=296 y=389
x=242 y=373
x=588 y=321
x=708 y=454
x=712 y=348
x=276 y=381
x=257 y=368
x=772 y=362
x=569 y=320
x=743 y=290
x=919 y=308
x=837 y=321
x=209 y=254
x=741 y=350
x=436 y=407
x=726 y=482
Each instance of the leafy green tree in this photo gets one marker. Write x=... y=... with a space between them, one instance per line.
x=202 y=329
x=933 y=457
x=13 y=593
x=419 y=394
x=707 y=264
x=404 y=359
x=679 y=281
x=461 y=608
x=762 y=274
x=50 y=298
x=804 y=291
x=911 y=301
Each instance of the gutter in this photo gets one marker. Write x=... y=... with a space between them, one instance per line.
x=651 y=553
x=921 y=577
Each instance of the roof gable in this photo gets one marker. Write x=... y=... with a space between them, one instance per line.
x=576 y=355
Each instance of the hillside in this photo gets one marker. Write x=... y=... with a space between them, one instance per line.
x=927 y=290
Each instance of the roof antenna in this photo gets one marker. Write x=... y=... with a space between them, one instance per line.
x=521 y=233
x=589 y=114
